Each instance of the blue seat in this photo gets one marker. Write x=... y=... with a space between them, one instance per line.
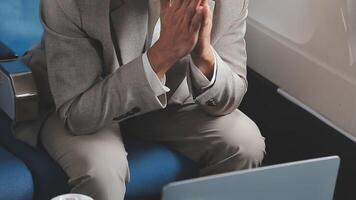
x=20 y=27
x=151 y=165
x=15 y=178
x=48 y=178
x=6 y=53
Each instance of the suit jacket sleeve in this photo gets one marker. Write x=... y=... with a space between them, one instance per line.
x=230 y=85
x=85 y=100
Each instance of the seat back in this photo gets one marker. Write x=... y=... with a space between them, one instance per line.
x=20 y=27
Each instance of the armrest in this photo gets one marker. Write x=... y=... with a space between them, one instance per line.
x=6 y=54
x=18 y=93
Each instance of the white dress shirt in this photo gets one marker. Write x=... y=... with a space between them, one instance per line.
x=200 y=81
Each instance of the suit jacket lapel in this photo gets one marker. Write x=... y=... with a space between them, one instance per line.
x=129 y=19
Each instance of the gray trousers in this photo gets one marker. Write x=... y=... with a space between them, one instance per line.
x=97 y=164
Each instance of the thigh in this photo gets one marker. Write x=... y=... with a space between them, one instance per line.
x=196 y=134
x=79 y=155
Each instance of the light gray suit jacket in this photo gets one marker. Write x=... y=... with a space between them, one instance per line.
x=89 y=64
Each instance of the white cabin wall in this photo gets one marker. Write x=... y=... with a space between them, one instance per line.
x=308 y=49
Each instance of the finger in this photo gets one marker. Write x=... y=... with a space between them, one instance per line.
x=191 y=9
x=165 y=4
x=186 y=3
x=197 y=21
x=204 y=2
x=193 y=4
x=177 y=4
x=206 y=15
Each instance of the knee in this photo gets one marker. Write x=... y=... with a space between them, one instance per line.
x=108 y=172
x=243 y=137
x=100 y=175
x=251 y=147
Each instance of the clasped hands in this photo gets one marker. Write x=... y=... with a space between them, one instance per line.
x=185 y=29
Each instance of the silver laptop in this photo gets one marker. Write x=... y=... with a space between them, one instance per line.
x=304 y=180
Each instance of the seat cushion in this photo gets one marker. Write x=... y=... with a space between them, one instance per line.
x=15 y=178
x=153 y=165
x=48 y=178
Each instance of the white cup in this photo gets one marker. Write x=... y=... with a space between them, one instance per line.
x=72 y=197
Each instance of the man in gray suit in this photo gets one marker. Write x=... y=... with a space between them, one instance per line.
x=169 y=71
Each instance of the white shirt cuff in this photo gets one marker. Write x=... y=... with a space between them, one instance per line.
x=199 y=79
x=156 y=84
